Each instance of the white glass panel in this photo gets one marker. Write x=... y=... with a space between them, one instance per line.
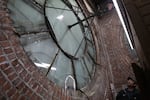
x=91 y=51
x=40 y=1
x=77 y=33
x=69 y=44
x=25 y=17
x=81 y=74
x=41 y=50
x=62 y=68
x=89 y=63
x=76 y=9
x=80 y=52
x=55 y=3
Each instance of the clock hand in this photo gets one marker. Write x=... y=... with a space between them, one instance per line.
x=58 y=8
x=80 y=21
x=52 y=62
x=52 y=34
x=78 y=18
x=99 y=13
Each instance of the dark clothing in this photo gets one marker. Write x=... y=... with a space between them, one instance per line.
x=128 y=95
x=109 y=1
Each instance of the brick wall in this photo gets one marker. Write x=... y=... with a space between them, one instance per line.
x=116 y=55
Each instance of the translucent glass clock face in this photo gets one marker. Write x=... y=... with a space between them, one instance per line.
x=48 y=36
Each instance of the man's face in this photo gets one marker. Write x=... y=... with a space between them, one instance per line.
x=131 y=83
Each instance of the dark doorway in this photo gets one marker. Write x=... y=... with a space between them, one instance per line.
x=140 y=75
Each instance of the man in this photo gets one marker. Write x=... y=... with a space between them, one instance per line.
x=110 y=5
x=130 y=93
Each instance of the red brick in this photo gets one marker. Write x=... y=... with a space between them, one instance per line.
x=8 y=50
x=20 y=54
x=9 y=71
x=14 y=41
x=32 y=82
x=32 y=69
x=36 y=75
x=35 y=97
x=27 y=78
x=45 y=83
x=1 y=75
x=2 y=81
x=1 y=52
x=63 y=97
x=39 y=90
x=20 y=87
x=23 y=74
x=15 y=62
x=11 y=92
x=22 y=98
x=6 y=86
x=18 y=68
x=25 y=89
x=15 y=96
x=5 y=44
x=2 y=37
x=16 y=82
x=5 y=20
x=12 y=76
x=50 y=89
x=68 y=98
x=35 y=86
x=29 y=93
x=18 y=49
x=43 y=93
x=55 y=94
x=11 y=57
x=27 y=63
x=2 y=59
x=4 y=66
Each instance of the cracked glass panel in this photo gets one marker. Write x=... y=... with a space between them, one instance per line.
x=54 y=43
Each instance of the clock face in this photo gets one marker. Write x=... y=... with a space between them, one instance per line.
x=56 y=39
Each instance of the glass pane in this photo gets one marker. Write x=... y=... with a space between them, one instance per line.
x=55 y=4
x=91 y=51
x=81 y=74
x=40 y=49
x=41 y=2
x=80 y=52
x=89 y=36
x=68 y=39
x=25 y=17
x=70 y=43
x=87 y=60
x=60 y=69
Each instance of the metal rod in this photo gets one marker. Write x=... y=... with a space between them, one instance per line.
x=80 y=21
x=52 y=63
x=58 y=8
x=74 y=73
x=87 y=68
